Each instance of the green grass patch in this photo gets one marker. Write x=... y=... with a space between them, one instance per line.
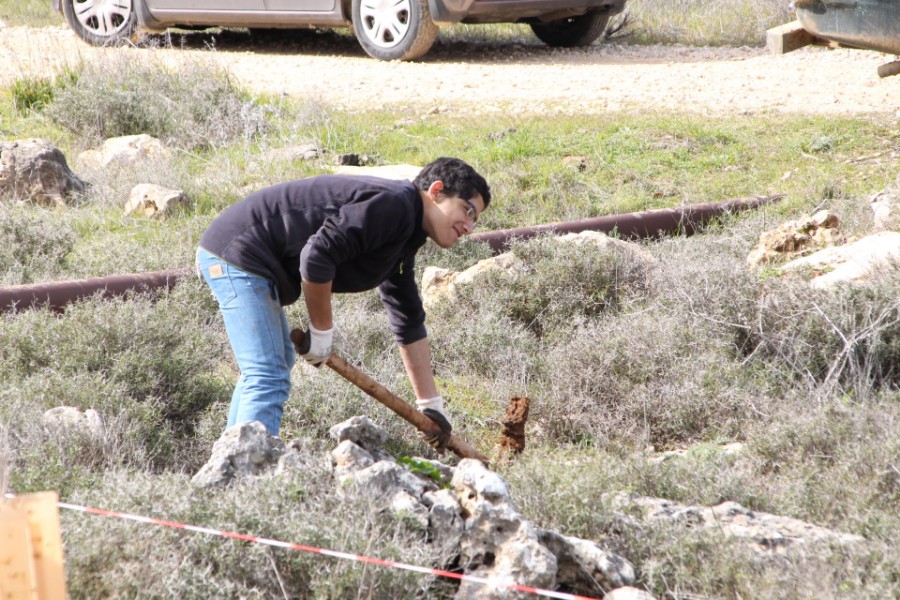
x=30 y=13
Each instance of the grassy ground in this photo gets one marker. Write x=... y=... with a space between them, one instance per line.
x=621 y=360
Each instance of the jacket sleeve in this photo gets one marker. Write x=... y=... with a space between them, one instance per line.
x=400 y=296
x=356 y=228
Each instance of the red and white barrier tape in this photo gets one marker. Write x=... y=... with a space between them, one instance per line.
x=492 y=581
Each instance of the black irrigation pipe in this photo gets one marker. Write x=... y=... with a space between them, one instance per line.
x=651 y=223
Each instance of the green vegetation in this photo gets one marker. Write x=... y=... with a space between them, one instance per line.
x=30 y=13
x=621 y=358
x=705 y=22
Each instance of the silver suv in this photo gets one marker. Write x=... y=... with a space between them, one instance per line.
x=386 y=29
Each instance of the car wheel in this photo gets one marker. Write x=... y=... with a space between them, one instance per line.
x=572 y=32
x=394 y=29
x=101 y=22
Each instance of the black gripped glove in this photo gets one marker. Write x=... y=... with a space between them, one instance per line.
x=438 y=440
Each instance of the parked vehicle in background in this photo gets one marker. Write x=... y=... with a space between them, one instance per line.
x=866 y=24
x=386 y=29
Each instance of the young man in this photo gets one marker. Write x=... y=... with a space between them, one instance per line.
x=324 y=235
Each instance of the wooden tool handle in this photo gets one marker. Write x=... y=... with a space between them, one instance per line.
x=457 y=445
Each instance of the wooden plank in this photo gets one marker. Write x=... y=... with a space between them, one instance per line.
x=787 y=38
x=44 y=550
x=17 y=577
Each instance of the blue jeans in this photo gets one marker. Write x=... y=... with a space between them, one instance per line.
x=260 y=339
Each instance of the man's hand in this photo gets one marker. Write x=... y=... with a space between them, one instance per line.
x=433 y=408
x=319 y=347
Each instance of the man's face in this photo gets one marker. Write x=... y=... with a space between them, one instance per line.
x=454 y=217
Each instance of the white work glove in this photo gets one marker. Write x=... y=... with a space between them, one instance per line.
x=320 y=344
x=433 y=408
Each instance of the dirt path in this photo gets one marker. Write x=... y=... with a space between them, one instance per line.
x=485 y=77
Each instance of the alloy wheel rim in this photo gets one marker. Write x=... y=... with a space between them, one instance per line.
x=385 y=22
x=103 y=18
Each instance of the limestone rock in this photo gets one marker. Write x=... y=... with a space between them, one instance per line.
x=244 y=450
x=32 y=170
x=497 y=541
x=349 y=458
x=124 y=151
x=886 y=208
x=361 y=431
x=469 y=517
x=154 y=201
x=583 y=565
x=851 y=263
x=386 y=171
x=404 y=505
x=796 y=238
x=445 y=522
x=301 y=152
x=438 y=283
x=67 y=420
x=293 y=458
x=381 y=481
x=604 y=243
x=628 y=593
x=767 y=533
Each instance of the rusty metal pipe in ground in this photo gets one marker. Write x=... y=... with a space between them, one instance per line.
x=649 y=223
x=56 y=295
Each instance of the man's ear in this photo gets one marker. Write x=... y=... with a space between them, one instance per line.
x=435 y=188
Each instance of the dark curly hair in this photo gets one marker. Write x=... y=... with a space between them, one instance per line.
x=458 y=177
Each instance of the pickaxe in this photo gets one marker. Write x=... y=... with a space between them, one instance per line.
x=355 y=376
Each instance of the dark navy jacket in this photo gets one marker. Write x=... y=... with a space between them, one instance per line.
x=357 y=232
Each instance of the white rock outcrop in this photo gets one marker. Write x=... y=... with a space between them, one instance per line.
x=765 y=532
x=68 y=421
x=796 y=238
x=855 y=262
x=124 y=151
x=154 y=201
x=467 y=512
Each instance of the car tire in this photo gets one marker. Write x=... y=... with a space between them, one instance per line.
x=582 y=30
x=394 y=30
x=102 y=22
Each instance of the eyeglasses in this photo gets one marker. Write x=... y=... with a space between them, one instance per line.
x=471 y=212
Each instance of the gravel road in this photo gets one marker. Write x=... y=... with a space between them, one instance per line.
x=479 y=77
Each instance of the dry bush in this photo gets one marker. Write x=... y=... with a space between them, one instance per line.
x=303 y=506
x=191 y=106
x=848 y=337
x=34 y=244
x=558 y=284
x=148 y=365
x=705 y=23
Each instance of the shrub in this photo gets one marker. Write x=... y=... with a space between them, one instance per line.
x=849 y=336
x=152 y=364
x=557 y=284
x=302 y=506
x=32 y=246
x=192 y=106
